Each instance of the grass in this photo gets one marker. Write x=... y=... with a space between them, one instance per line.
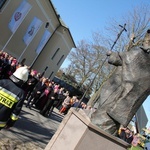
x=135 y=148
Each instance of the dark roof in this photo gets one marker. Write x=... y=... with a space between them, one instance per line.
x=62 y=22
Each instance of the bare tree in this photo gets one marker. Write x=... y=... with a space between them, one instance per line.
x=85 y=61
x=60 y=73
x=89 y=58
x=137 y=23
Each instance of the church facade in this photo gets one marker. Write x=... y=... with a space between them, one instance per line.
x=33 y=31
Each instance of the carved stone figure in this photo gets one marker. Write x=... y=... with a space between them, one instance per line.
x=125 y=91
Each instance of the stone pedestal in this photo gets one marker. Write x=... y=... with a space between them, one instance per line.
x=76 y=132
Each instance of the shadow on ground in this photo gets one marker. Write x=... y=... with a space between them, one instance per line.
x=32 y=126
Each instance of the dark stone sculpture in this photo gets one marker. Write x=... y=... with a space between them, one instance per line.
x=125 y=91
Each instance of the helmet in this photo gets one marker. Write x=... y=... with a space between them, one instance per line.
x=22 y=73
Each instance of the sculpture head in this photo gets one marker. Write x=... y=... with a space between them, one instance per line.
x=146 y=42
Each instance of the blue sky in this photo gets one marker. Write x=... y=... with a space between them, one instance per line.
x=83 y=17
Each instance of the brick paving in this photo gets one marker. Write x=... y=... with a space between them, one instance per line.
x=32 y=128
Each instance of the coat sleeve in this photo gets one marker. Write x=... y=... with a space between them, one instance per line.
x=16 y=111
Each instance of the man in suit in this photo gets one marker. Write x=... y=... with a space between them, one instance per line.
x=36 y=93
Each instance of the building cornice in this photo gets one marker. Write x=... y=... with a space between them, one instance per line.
x=62 y=23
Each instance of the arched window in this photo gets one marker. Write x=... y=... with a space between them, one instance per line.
x=60 y=60
x=55 y=53
x=2 y=2
x=50 y=74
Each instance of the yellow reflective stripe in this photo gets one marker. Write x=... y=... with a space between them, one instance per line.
x=2 y=124
x=8 y=96
x=9 y=93
x=6 y=102
x=14 y=117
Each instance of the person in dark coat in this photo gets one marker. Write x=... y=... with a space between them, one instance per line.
x=30 y=84
x=36 y=93
x=52 y=99
x=61 y=97
x=44 y=97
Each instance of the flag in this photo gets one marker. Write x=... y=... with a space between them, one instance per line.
x=43 y=41
x=32 y=30
x=19 y=15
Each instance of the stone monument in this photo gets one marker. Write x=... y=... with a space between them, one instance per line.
x=125 y=91
x=119 y=99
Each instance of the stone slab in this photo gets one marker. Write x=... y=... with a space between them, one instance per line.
x=76 y=132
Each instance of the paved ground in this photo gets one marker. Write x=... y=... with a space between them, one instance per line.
x=33 y=127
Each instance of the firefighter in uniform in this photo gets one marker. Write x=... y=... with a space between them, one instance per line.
x=12 y=97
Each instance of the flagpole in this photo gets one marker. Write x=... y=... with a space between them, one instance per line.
x=26 y=47
x=17 y=18
x=22 y=53
x=42 y=47
x=7 y=41
x=28 y=44
x=34 y=61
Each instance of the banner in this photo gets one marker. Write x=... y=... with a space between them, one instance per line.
x=19 y=15
x=32 y=30
x=43 y=41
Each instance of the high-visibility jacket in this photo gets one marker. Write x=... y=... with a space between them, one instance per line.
x=11 y=102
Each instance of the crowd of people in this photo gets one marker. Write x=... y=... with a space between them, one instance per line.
x=126 y=134
x=41 y=92
x=135 y=139
x=45 y=95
